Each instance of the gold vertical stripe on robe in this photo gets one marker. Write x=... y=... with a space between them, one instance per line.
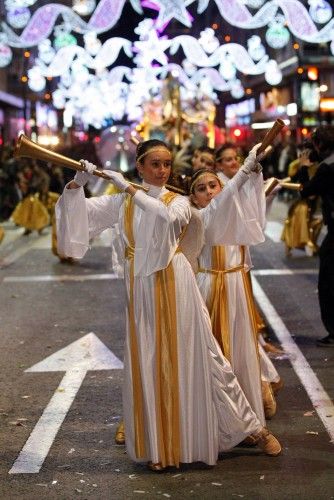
x=218 y=305
x=137 y=388
x=167 y=390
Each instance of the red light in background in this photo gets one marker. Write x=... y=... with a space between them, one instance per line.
x=237 y=132
x=97 y=139
x=312 y=73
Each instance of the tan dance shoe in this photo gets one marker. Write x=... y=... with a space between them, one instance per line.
x=268 y=443
x=277 y=386
x=271 y=348
x=249 y=441
x=120 y=434
x=269 y=401
x=155 y=467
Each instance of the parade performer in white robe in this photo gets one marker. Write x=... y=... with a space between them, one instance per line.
x=227 y=165
x=181 y=400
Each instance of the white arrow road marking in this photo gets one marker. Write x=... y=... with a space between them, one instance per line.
x=87 y=353
x=317 y=394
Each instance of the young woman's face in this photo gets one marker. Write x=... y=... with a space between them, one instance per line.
x=195 y=160
x=205 y=189
x=156 y=167
x=228 y=162
x=203 y=159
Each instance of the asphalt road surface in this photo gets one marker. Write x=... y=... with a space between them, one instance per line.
x=61 y=351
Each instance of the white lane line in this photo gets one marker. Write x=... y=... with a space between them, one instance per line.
x=60 y=277
x=317 y=394
x=113 y=276
x=274 y=230
x=40 y=243
x=283 y=272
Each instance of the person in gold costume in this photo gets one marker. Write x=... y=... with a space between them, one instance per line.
x=31 y=212
x=302 y=227
x=2 y=234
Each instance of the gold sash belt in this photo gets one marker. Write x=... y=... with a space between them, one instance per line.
x=222 y=271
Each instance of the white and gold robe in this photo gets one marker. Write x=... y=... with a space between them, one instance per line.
x=181 y=400
x=224 y=286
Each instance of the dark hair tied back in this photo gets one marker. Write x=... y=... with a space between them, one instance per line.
x=145 y=146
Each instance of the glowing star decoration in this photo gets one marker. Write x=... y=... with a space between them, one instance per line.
x=320 y=11
x=152 y=48
x=255 y=48
x=273 y=74
x=6 y=55
x=84 y=7
x=36 y=80
x=208 y=40
x=19 y=17
x=171 y=9
x=277 y=35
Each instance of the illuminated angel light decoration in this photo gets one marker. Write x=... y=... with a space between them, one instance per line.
x=320 y=11
x=84 y=7
x=208 y=40
x=237 y=90
x=18 y=17
x=273 y=74
x=277 y=35
x=92 y=43
x=45 y=51
x=255 y=48
x=36 y=81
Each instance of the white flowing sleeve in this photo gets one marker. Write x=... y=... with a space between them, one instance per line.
x=79 y=219
x=253 y=199
x=235 y=216
x=158 y=233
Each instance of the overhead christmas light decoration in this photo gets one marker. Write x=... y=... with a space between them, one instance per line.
x=108 y=12
x=93 y=88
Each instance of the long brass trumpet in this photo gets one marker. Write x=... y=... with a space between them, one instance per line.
x=29 y=149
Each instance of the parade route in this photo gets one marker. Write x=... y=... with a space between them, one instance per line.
x=58 y=416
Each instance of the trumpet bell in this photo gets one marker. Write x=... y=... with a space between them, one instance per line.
x=26 y=148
